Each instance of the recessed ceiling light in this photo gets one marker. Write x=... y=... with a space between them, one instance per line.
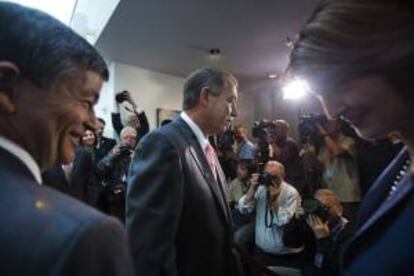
x=215 y=51
x=272 y=76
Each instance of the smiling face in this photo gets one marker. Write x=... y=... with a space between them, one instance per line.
x=52 y=121
x=371 y=105
x=88 y=138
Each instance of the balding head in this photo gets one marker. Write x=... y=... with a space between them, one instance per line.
x=329 y=199
x=275 y=168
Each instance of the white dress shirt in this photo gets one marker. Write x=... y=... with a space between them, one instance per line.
x=202 y=139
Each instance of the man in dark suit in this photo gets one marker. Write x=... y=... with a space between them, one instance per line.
x=178 y=220
x=77 y=179
x=50 y=79
x=103 y=144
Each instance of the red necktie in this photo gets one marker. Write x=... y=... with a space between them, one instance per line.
x=211 y=158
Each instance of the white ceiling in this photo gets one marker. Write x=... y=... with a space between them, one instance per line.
x=174 y=36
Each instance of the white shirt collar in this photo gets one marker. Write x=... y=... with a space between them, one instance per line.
x=23 y=156
x=202 y=139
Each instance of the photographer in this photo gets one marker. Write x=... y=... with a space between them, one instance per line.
x=246 y=150
x=286 y=151
x=137 y=120
x=330 y=232
x=113 y=169
x=340 y=173
x=275 y=202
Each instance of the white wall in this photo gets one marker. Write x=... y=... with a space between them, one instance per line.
x=150 y=89
x=105 y=104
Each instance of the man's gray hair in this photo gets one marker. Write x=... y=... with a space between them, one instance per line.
x=215 y=79
x=128 y=129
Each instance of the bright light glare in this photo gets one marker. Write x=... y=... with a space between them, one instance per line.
x=296 y=89
x=60 y=9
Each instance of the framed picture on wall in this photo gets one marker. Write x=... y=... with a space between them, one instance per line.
x=166 y=115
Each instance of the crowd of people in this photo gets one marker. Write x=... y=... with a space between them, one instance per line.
x=186 y=199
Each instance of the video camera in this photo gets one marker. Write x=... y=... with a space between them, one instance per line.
x=264 y=131
x=308 y=131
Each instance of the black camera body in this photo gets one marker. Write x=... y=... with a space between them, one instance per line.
x=124 y=150
x=263 y=130
x=312 y=206
x=265 y=179
x=308 y=131
x=120 y=97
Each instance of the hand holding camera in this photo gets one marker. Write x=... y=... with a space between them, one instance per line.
x=121 y=150
x=319 y=228
x=125 y=96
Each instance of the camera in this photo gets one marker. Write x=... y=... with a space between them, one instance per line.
x=120 y=97
x=265 y=179
x=124 y=150
x=312 y=206
x=263 y=130
x=308 y=131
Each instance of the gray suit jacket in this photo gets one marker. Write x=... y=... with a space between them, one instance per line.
x=178 y=220
x=44 y=232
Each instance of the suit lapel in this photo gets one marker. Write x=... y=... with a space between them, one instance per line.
x=404 y=189
x=202 y=163
x=380 y=189
x=12 y=164
x=223 y=186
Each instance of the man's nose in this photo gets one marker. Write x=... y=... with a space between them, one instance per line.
x=234 y=111
x=92 y=122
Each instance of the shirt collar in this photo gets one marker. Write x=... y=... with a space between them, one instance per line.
x=23 y=156
x=202 y=139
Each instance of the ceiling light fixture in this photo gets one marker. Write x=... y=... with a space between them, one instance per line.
x=215 y=51
x=296 y=89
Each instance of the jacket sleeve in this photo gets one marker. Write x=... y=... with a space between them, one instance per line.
x=98 y=248
x=105 y=167
x=116 y=122
x=144 y=128
x=154 y=205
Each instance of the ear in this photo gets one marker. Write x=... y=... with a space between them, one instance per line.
x=9 y=74
x=203 y=98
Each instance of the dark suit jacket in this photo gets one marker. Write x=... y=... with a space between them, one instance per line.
x=178 y=220
x=83 y=183
x=105 y=145
x=44 y=232
x=383 y=242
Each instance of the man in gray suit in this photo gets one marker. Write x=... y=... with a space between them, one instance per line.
x=178 y=220
x=50 y=79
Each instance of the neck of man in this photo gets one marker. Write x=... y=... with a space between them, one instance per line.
x=199 y=120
